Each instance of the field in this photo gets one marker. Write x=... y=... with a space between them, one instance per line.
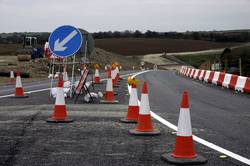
x=142 y=46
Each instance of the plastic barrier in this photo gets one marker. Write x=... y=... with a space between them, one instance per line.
x=240 y=84
x=199 y=73
x=207 y=75
x=216 y=77
x=192 y=73
x=196 y=73
x=211 y=76
x=221 y=78
x=202 y=75
x=227 y=80
x=247 y=86
x=188 y=72
x=233 y=81
x=185 y=72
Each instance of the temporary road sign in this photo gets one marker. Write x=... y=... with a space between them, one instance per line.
x=65 y=41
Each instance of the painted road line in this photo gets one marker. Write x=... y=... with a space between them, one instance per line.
x=197 y=139
x=41 y=90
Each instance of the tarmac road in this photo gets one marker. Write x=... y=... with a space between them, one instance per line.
x=97 y=138
x=220 y=116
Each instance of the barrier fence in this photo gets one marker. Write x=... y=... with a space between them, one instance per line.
x=230 y=81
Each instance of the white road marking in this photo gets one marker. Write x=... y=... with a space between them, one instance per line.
x=197 y=139
x=41 y=90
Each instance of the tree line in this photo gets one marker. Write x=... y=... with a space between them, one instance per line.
x=217 y=36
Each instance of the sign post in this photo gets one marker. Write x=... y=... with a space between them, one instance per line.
x=64 y=42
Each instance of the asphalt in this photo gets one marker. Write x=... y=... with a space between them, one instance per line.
x=96 y=137
x=220 y=116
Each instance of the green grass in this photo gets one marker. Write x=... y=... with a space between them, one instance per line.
x=197 y=60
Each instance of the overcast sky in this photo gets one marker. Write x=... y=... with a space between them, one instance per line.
x=104 y=15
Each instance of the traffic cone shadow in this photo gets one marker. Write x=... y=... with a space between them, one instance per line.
x=184 y=152
x=144 y=124
x=60 y=110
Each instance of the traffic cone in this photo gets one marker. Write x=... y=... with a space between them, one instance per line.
x=12 y=77
x=184 y=152
x=97 y=79
x=65 y=74
x=144 y=124
x=114 y=78
x=133 y=107
x=19 y=92
x=109 y=94
x=118 y=78
x=60 y=111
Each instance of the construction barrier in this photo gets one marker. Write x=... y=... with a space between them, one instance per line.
x=231 y=81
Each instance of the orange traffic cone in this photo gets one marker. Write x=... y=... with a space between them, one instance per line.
x=109 y=94
x=60 y=111
x=118 y=74
x=133 y=107
x=184 y=152
x=19 y=93
x=97 y=79
x=12 y=77
x=114 y=78
x=144 y=125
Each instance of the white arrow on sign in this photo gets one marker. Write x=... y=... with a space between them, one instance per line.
x=59 y=46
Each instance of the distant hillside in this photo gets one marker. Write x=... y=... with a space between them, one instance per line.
x=217 y=36
x=142 y=46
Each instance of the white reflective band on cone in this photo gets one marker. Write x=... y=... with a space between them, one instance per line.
x=65 y=76
x=18 y=82
x=216 y=77
x=96 y=72
x=113 y=74
x=227 y=80
x=109 y=86
x=12 y=74
x=144 y=106
x=207 y=75
x=60 y=96
x=117 y=70
x=184 y=123
x=133 y=100
x=240 y=84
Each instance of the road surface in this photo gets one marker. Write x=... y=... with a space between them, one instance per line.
x=219 y=116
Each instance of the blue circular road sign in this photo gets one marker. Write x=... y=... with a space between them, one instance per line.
x=65 y=41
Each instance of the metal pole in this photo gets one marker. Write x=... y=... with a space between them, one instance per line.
x=240 y=67
x=52 y=78
x=72 y=75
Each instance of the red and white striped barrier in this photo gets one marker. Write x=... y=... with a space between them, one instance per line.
x=216 y=77
x=232 y=81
